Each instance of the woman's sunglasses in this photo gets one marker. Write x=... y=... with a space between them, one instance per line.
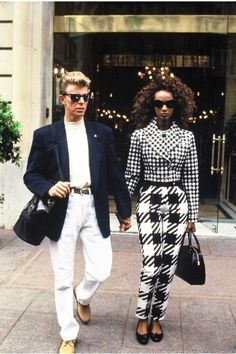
x=75 y=97
x=160 y=104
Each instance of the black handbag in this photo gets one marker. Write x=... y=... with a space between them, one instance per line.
x=190 y=265
x=32 y=223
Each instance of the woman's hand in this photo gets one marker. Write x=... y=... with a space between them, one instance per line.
x=59 y=190
x=191 y=226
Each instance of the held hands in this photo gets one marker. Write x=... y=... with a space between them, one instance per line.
x=125 y=224
x=191 y=226
x=59 y=190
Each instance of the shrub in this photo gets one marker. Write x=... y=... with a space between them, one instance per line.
x=10 y=135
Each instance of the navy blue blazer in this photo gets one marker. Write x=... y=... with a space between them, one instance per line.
x=42 y=173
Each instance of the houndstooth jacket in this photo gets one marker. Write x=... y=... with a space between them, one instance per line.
x=165 y=156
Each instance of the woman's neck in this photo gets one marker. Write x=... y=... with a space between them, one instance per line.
x=163 y=125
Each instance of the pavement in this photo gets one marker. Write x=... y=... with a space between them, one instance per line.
x=199 y=319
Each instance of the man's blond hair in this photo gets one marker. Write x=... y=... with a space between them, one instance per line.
x=75 y=78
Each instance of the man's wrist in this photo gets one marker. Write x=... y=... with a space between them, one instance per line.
x=121 y=216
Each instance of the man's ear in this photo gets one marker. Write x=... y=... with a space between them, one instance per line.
x=61 y=97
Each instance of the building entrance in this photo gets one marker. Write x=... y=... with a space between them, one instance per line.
x=119 y=64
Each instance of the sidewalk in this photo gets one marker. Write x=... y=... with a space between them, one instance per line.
x=199 y=319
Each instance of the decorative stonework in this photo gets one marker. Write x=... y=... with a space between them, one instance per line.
x=146 y=23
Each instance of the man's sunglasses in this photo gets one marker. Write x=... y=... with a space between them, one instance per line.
x=160 y=104
x=75 y=97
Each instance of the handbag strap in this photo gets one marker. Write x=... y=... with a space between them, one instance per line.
x=56 y=152
x=190 y=235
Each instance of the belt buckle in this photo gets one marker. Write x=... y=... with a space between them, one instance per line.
x=84 y=191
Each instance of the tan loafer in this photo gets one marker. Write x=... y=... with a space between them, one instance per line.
x=83 y=311
x=67 y=347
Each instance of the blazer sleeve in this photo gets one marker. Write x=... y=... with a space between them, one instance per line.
x=34 y=177
x=190 y=180
x=120 y=190
x=133 y=169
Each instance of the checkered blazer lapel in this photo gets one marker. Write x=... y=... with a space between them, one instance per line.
x=153 y=137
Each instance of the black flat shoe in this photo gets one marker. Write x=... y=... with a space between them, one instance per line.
x=155 y=337
x=142 y=338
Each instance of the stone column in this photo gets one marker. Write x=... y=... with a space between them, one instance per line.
x=32 y=66
x=31 y=92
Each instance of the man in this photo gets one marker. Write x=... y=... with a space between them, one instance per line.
x=87 y=156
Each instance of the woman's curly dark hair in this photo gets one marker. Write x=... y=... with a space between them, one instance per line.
x=143 y=110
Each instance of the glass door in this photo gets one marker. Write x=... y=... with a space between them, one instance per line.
x=210 y=139
x=217 y=171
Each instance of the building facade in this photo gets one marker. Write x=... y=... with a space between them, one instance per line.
x=120 y=45
x=26 y=59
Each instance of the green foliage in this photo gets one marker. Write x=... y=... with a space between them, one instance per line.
x=10 y=135
x=1 y=198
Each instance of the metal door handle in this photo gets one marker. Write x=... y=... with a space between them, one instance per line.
x=218 y=154
x=219 y=143
x=213 y=153
x=222 y=155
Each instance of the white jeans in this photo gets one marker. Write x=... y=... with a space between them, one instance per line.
x=80 y=220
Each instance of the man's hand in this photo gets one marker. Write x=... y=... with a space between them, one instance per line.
x=59 y=190
x=191 y=226
x=125 y=224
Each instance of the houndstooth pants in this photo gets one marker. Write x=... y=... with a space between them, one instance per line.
x=161 y=215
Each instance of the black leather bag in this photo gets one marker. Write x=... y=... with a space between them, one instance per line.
x=31 y=226
x=32 y=223
x=191 y=266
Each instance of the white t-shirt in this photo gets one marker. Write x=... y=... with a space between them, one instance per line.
x=77 y=142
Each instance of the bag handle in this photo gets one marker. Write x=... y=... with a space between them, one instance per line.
x=56 y=152
x=190 y=236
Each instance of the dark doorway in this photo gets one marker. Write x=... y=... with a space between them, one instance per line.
x=114 y=62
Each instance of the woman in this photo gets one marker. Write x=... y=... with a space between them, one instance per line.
x=165 y=154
